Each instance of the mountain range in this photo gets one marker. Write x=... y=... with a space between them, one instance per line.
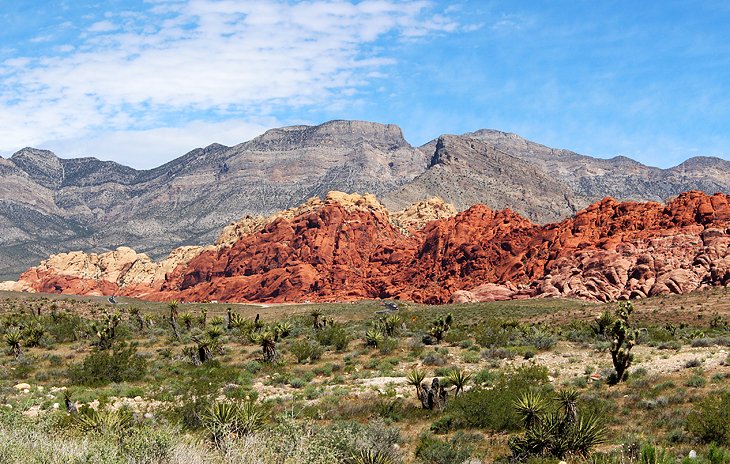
x=50 y=205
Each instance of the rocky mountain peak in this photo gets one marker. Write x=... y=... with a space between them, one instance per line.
x=332 y=133
x=41 y=165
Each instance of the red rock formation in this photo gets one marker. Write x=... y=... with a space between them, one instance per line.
x=346 y=248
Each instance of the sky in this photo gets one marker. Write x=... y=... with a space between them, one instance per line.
x=142 y=82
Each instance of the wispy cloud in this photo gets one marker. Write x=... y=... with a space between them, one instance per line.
x=203 y=60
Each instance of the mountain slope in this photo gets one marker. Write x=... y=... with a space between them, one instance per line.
x=50 y=205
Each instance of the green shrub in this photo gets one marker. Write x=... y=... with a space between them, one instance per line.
x=388 y=345
x=431 y=450
x=103 y=367
x=334 y=335
x=433 y=359
x=696 y=381
x=148 y=445
x=490 y=407
x=710 y=421
x=306 y=350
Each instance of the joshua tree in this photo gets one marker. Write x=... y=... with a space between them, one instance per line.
x=203 y=317
x=107 y=331
x=267 y=340
x=622 y=336
x=316 y=314
x=258 y=324
x=138 y=317
x=431 y=397
x=441 y=326
x=173 y=317
x=229 y=314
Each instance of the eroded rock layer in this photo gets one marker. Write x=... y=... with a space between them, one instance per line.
x=349 y=247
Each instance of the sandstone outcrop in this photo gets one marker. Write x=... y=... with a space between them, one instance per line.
x=350 y=247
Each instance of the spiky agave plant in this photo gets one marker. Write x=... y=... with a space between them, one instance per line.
x=187 y=320
x=568 y=400
x=373 y=337
x=220 y=419
x=530 y=406
x=416 y=378
x=13 y=338
x=223 y=419
x=391 y=325
x=372 y=457
x=102 y=422
x=458 y=379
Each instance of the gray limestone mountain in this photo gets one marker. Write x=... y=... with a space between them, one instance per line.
x=50 y=205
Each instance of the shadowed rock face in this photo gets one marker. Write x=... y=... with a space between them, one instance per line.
x=51 y=205
x=348 y=247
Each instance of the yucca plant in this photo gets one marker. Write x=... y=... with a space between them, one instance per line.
x=13 y=338
x=203 y=318
x=283 y=328
x=250 y=417
x=316 y=315
x=236 y=321
x=372 y=457
x=220 y=419
x=223 y=419
x=531 y=406
x=373 y=337
x=214 y=332
x=585 y=434
x=458 y=379
x=32 y=334
x=102 y=422
x=187 y=320
x=554 y=433
x=267 y=340
x=568 y=400
x=391 y=325
x=603 y=323
x=416 y=378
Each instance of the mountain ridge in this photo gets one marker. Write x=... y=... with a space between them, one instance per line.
x=50 y=204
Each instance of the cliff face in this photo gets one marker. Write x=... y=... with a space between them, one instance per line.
x=50 y=205
x=349 y=247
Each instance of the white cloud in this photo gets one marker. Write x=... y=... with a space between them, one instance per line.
x=231 y=58
x=103 y=26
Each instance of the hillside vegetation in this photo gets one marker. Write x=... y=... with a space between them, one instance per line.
x=86 y=381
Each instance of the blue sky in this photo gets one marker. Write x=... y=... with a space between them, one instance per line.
x=142 y=82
